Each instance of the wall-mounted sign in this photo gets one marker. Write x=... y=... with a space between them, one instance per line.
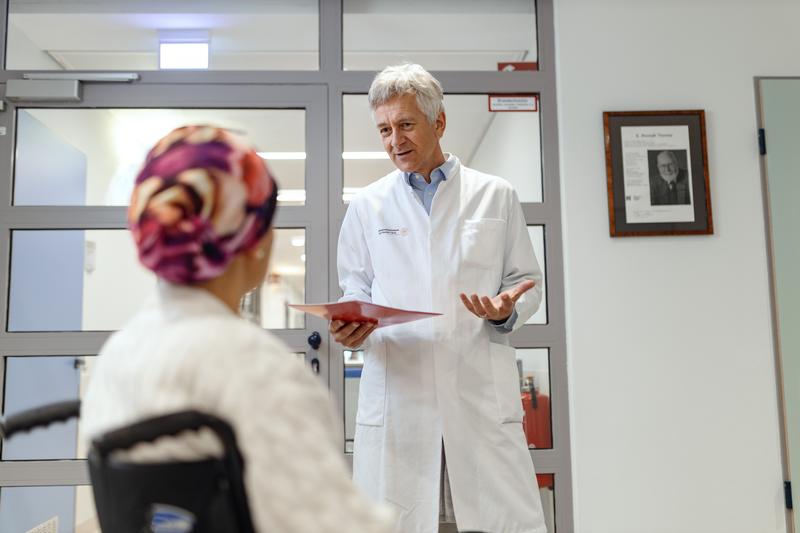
x=518 y=65
x=513 y=102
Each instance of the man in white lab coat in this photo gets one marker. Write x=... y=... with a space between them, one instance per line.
x=438 y=429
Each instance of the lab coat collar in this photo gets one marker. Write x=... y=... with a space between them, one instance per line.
x=444 y=171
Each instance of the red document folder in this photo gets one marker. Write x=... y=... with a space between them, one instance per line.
x=355 y=311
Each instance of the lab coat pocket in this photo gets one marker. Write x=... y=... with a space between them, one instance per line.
x=481 y=241
x=506 y=382
x=372 y=388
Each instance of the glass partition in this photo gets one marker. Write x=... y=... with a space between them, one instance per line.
x=131 y=34
x=536 y=234
x=441 y=35
x=56 y=509
x=92 y=156
x=91 y=280
x=35 y=381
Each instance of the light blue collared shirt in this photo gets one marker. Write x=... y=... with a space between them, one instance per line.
x=426 y=191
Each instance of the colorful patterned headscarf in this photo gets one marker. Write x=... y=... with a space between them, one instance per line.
x=202 y=197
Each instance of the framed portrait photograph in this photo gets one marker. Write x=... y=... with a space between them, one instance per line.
x=657 y=171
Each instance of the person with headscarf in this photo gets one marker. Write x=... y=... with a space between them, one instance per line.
x=200 y=216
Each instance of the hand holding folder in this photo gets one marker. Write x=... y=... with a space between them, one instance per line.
x=363 y=312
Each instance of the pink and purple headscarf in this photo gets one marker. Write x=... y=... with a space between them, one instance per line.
x=202 y=197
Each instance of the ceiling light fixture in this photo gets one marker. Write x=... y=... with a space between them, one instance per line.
x=183 y=49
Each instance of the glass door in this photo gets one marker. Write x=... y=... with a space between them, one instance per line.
x=73 y=276
x=780 y=118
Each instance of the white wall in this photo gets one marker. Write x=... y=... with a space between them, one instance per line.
x=672 y=383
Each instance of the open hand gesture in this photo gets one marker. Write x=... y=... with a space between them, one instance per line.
x=498 y=308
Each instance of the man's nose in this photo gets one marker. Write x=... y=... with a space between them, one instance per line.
x=397 y=139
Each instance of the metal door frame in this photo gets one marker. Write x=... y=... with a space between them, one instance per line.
x=324 y=140
x=773 y=296
x=312 y=217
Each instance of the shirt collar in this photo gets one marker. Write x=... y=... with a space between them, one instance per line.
x=438 y=174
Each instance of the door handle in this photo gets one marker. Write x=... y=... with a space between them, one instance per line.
x=315 y=340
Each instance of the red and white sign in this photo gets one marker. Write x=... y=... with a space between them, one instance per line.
x=513 y=102
x=518 y=65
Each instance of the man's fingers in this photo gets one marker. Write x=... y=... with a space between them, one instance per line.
x=360 y=335
x=467 y=303
x=489 y=307
x=506 y=304
x=478 y=306
x=336 y=325
x=345 y=332
x=521 y=289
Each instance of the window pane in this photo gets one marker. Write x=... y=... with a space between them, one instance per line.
x=35 y=381
x=440 y=35
x=504 y=144
x=61 y=509
x=536 y=234
x=534 y=369
x=69 y=280
x=547 y=487
x=94 y=155
x=353 y=364
x=125 y=34
x=286 y=281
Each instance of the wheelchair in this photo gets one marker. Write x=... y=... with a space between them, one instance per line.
x=202 y=496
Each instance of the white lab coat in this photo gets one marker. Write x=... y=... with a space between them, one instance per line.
x=186 y=350
x=452 y=378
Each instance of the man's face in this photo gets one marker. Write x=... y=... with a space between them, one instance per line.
x=411 y=141
x=667 y=167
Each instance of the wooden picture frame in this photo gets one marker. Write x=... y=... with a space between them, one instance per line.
x=657 y=173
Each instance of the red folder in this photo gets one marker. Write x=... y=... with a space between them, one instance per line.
x=355 y=311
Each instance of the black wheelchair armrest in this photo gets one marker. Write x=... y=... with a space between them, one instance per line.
x=167 y=425
x=39 y=417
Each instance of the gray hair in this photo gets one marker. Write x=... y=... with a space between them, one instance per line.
x=408 y=78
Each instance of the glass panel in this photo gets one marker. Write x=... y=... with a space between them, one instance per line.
x=94 y=155
x=35 y=381
x=440 y=35
x=286 y=281
x=61 y=509
x=534 y=371
x=505 y=144
x=69 y=280
x=126 y=34
x=353 y=363
x=547 y=488
x=536 y=234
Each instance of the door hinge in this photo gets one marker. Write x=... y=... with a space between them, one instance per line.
x=787 y=493
x=762 y=142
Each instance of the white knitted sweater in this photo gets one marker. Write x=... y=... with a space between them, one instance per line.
x=187 y=350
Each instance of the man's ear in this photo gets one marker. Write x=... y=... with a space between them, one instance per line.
x=440 y=124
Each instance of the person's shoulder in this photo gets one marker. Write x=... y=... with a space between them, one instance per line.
x=377 y=190
x=485 y=179
x=487 y=183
